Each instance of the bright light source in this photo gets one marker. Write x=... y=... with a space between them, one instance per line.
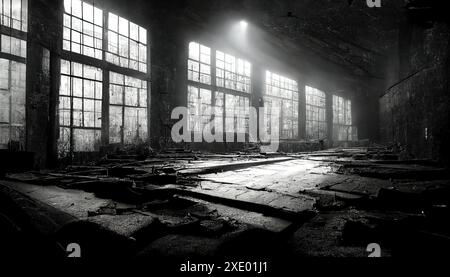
x=243 y=24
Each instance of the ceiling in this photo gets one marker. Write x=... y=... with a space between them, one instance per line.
x=344 y=34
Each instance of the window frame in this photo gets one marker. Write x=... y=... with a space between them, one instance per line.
x=313 y=98
x=290 y=86
x=108 y=67
x=141 y=65
x=14 y=96
x=19 y=59
x=143 y=68
x=9 y=15
x=344 y=122
x=97 y=49
x=219 y=94
x=142 y=105
x=192 y=60
x=244 y=79
x=72 y=127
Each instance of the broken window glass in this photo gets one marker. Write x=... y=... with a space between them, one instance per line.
x=12 y=104
x=343 y=129
x=316 y=123
x=13 y=46
x=218 y=111
x=200 y=109
x=80 y=98
x=237 y=112
x=80 y=108
x=228 y=108
x=83 y=29
x=14 y=14
x=281 y=101
x=233 y=73
x=199 y=63
x=127 y=44
x=127 y=109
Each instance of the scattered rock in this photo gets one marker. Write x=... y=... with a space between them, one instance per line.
x=212 y=227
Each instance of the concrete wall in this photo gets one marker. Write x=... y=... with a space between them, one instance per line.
x=415 y=110
x=43 y=58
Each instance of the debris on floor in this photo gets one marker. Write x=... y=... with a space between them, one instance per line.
x=326 y=203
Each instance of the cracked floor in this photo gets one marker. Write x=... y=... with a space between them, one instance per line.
x=325 y=204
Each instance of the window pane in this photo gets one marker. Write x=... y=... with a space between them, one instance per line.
x=83 y=29
x=234 y=74
x=80 y=108
x=281 y=111
x=12 y=103
x=127 y=44
x=199 y=63
x=88 y=12
x=343 y=129
x=14 y=46
x=13 y=14
x=316 y=115
x=128 y=109
x=76 y=8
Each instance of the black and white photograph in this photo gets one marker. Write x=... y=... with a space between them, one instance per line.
x=224 y=137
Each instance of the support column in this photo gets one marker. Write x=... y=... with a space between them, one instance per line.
x=257 y=98
x=301 y=109
x=329 y=115
x=44 y=43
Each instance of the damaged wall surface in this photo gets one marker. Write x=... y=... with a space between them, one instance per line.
x=414 y=110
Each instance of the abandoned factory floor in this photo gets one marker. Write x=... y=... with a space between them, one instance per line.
x=180 y=204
